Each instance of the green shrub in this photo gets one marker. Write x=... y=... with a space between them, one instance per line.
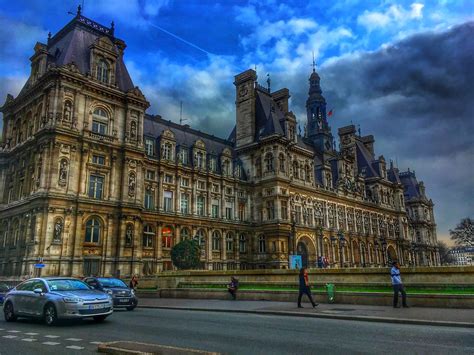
x=186 y=254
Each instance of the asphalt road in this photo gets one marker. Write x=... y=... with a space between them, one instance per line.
x=234 y=333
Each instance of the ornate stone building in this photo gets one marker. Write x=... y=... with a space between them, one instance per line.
x=91 y=184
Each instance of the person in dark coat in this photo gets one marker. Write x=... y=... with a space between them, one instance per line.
x=134 y=282
x=232 y=287
x=305 y=288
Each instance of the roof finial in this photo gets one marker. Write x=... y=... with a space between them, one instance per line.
x=268 y=82
x=314 y=64
x=112 y=27
x=49 y=36
x=79 y=8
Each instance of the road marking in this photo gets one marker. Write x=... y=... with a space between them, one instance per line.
x=73 y=339
x=13 y=331
x=96 y=342
x=75 y=347
x=31 y=333
x=51 y=336
x=50 y=343
x=10 y=336
x=28 y=339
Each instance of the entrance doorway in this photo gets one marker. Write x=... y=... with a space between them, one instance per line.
x=302 y=249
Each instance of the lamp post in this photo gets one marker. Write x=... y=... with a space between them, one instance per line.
x=293 y=234
x=413 y=252
x=384 y=250
x=319 y=233
x=342 y=243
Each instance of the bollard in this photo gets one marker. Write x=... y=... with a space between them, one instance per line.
x=330 y=291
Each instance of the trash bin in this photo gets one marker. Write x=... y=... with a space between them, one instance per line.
x=330 y=291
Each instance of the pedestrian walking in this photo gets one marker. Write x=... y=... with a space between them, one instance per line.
x=232 y=287
x=305 y=288
x=134 y=282
x=397 y=285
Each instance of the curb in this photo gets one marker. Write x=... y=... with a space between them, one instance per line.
x=134 y=347
x=325 y=316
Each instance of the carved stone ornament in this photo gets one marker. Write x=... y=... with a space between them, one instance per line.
x=243 y=91
x=58 y=230
x=63 y=172
x=129 y=235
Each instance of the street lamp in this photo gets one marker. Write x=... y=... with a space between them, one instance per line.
x=319 y=233
x=384 y=250
x=293 y=234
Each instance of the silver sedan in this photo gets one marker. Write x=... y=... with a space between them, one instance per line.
x=54 y=298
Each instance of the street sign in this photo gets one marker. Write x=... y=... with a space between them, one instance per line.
x=39 y=266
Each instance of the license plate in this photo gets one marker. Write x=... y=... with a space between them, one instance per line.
x=124 y=300
x=97 y=306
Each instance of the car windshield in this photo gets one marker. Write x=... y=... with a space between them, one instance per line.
x=67 y=285
x=106 y=282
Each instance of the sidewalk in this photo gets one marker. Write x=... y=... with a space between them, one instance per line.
x=415 y=315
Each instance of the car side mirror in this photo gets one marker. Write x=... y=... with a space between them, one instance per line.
x=38 y=290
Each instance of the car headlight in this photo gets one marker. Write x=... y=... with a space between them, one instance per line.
x=132 y=291
x=110 y=292
x=72 y=299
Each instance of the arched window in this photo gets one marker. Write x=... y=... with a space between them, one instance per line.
x=216 y=240
x=269 y=162
x=242 y=244
x=93 y=230
x=261 y=244
x=100 y=121
x=281 y=159
x=148 y=236
x=103 y=71
x=184 y=233
x=167 y=237
x=229 y=242
x=295 y=170
x=201 y=236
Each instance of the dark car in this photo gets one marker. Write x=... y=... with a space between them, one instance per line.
x=122 y=295
x=3 y=291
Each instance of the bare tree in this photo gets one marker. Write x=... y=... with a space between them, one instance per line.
x=463 y=234
x=445 y=257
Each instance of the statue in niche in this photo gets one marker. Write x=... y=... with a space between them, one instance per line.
x=133 y=130
x=131 y=184
x=67 y=111
x=58 y=230
x=129 y=235
x=63 y=170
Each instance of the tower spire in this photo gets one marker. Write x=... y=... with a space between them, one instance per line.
x=314 y=64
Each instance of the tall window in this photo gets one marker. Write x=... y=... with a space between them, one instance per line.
x=200 y=205
x=167 y=237
x=96 y=186
x=229 y=213
x=93 y=228
x=261 y=244
x=242 y=244
x=149 y=198
x=298 y=214
x=212 y=164
x=199 y=160
x=284 y=209
x=216 y=241
x=215 y=209
x=269 y=162
x=295 y=170
x=100 y=120
x=281 y=158
x=258 y=167
x=184 y=233
x=270 y=210
x=201 y=235
x=242 y=211
x=148 y=236
x=184 y=156
x=168 y=201
x=307 y=173
x=229 y=242
x=226 y=168
x=103 y=71
x=167 y=151
x=150 y=146
x=184 y=203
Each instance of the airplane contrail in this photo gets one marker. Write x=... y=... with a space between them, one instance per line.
x=181 y=39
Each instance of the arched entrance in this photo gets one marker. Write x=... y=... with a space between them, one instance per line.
x=391 y=254
x=302 y=249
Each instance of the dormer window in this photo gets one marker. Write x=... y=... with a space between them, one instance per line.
x=103 y=71
x=167 y=151
x=100 y=120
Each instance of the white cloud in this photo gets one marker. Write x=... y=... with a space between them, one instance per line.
x=247 y=15
x=395 y=15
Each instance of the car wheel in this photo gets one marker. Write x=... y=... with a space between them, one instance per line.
x=131 y=308
x=50 y=315
x=99 y=319
x=9 y=313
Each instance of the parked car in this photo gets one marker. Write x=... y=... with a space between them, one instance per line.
x=122 y=295
x=3 y=291
x=54 y=298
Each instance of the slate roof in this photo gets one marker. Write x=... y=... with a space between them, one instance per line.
x=185 y=136
x=410 y=185
x=72 y=44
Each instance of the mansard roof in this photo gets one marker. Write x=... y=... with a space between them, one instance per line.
x=410 y=185
x=268 y=116
x=184 y=135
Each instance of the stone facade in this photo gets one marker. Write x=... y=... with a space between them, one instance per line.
x=91 y=184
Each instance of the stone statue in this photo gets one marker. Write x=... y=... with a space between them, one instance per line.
x=58 y=229
x=129 y=235
x=63 y=169
x=67 y=111
x=133 y=130
x=131 y=184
